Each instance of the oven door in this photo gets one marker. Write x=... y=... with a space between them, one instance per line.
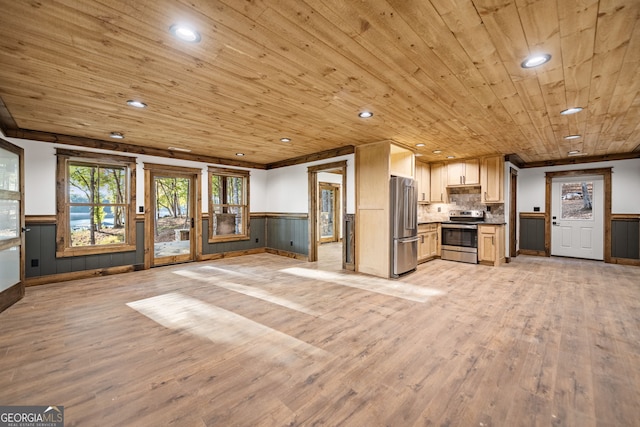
x=460 y=236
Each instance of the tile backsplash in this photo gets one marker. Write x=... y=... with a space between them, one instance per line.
x=462 y=198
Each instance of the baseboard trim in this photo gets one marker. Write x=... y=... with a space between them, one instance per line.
x=287 y=254
x=231 y=254
x=85 y=274
x=626 y=261
x=11 y=295
x=531 y=252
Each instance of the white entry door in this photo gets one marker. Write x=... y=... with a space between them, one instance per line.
x=577 y=217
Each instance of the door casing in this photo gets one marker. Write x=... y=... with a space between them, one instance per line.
x=151 y=171
x=606 y=174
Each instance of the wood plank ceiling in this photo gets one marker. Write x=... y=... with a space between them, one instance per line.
x=444 y=73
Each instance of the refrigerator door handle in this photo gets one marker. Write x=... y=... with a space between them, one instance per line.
x=409 y=240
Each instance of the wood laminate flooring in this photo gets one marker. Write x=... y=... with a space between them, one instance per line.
x=263 y=340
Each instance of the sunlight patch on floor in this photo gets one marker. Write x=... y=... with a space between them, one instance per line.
x=391 y=288
x=180 y=312
x=247 y=290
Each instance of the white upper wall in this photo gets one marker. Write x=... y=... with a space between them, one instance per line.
x=288 y=187
x=625 y=180
x=40 y=176
x=283 y=190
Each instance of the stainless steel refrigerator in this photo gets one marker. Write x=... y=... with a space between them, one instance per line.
x=404 y=225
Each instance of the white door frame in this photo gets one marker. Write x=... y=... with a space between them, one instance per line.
x=606 y=174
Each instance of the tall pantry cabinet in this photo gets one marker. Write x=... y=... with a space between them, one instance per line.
x=375 y=163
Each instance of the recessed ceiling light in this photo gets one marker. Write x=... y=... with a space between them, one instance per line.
x=285 y=139
x=365 y=114
x=116 y=135
x=571 y=110
x=239 y=154
x=572 y=136
x=535 y=60
x=573 y=152
x=451 y=157
x=418 y=155
x=437 y=151
x=185 y=33
x=186 y=150
x=420 y=145
x=137 y=104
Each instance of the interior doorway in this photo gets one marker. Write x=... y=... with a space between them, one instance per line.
x=327 y=207
x=328 y=203
x=513 y=209
x=172 y=215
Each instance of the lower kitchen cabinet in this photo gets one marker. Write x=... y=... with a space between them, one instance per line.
x=429 y=242
x=491 y=244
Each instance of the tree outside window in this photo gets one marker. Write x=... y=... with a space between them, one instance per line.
x=95 y=212
x=228 y=204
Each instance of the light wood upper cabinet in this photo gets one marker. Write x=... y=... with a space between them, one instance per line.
x=438 y=191
x=423 y=176
x=463 y=172
x=492 y=179
x=401 y=162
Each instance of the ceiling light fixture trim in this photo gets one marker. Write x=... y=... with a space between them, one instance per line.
x=536 y=60
x=136 y=104
x=116 y=135
x=572 y=110
x=572 y=136
x=185 y=33
x=365 y=114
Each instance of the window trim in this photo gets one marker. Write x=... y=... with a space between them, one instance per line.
x=237 y=173
x=63 y=240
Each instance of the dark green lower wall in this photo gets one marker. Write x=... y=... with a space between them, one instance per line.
x=257 y=240
x=282 y=233
x=40 y=249
x=625 y=239
x=289 y=234
x=532 y=234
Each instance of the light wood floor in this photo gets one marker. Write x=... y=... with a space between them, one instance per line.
x=263 y=340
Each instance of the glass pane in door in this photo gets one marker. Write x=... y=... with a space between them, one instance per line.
x=10 y=216
x=327 y=212
x=577 y=200
x=172 y=217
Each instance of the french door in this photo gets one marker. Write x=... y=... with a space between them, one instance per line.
x=172 y=214
x=11 y=224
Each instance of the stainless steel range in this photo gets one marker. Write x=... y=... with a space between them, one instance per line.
x=460 y=236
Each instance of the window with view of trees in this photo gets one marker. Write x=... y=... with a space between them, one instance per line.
x=228 y=204
x=94 y=203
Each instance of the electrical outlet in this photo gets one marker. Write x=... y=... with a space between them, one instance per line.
x=141 y=209
x=257 y=240
x=291 y=243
